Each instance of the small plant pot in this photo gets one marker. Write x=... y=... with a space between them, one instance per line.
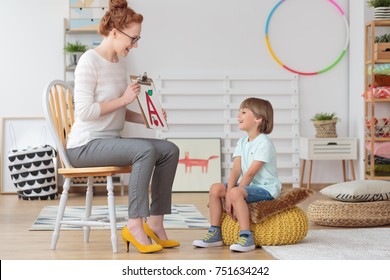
x=382 y=13
x=73 y=58
x=325 y=129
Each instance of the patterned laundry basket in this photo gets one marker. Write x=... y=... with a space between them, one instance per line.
x=33 y=172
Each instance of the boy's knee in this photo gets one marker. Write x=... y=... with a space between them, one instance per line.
x=217 y=189
x=236 y=194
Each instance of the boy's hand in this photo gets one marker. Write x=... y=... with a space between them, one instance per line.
x=229 y=207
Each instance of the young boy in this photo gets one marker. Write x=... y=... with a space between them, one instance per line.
x=255 y=163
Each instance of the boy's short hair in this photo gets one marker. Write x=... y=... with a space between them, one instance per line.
x=261 y=108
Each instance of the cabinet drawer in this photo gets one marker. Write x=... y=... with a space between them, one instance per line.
x=87 y=3
x=86 y=13
x=84 y=24
x=328 y=148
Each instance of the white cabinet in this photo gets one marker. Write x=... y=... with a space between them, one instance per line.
x=327 y=149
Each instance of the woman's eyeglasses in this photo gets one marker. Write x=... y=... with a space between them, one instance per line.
x=133 y=39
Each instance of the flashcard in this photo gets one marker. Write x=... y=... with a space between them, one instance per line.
x=149 y=103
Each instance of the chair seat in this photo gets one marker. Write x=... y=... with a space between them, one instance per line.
x=94 y=171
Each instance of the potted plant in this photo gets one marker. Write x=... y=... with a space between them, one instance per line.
x=381 y=8
x=382 y=46
x=75 y=50
x=325 y=125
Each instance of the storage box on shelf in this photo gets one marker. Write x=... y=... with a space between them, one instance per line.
x=382 y=50
x=376 y=104
x=86 y=15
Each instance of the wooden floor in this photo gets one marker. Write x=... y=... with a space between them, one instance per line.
x=18 y=243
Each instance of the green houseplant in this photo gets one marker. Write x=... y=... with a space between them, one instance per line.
x=385 y=38
x=75 y=47
x=378 y=3
x=325 y=124
x=75 y=50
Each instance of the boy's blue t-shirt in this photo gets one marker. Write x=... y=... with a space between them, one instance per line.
x=261 y=149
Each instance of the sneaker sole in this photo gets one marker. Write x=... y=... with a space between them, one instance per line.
x=202 y=244
x=239 y=248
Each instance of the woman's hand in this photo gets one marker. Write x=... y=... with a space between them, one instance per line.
x=131 y=93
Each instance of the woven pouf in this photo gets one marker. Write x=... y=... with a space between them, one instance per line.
x=287 y=227
x=349 y=214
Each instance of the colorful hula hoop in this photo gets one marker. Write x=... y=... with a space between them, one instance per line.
x=300 y=72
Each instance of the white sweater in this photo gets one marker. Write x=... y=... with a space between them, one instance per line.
x=96 y=80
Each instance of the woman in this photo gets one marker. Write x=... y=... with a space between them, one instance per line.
x=101 y=94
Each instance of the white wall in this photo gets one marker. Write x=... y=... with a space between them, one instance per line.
x=192 y=37
x=228 y=36
x=359 y=16
x=31 y=53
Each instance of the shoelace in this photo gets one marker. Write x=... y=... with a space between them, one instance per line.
x=242 y=241
x=209 y=235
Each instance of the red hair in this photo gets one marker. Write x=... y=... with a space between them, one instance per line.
x=118 y=16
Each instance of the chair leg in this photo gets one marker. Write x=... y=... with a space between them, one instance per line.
x=122 y=185
x=112 y=214
x=60 y=213
x=88 y=207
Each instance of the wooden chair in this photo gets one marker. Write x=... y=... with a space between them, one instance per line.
x=59 y=114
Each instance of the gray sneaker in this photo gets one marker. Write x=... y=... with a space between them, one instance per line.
x=244 y=244
x=213 y=238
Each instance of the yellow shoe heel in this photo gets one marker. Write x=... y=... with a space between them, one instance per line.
x=129 y=238
x=164 y=243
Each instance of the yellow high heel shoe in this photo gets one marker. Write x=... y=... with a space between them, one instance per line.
x=129 y=238
x=164 y=243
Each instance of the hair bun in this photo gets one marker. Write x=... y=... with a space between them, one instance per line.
x=117 y=4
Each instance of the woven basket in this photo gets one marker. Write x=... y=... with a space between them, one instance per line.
x=325 y=129
x=349 y=214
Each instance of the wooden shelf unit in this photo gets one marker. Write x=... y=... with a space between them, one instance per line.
x=75 y=35
x=370 y=103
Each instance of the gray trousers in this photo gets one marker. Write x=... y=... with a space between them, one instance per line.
x=148 y=157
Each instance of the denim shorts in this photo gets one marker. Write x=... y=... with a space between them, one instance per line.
x=255 y=194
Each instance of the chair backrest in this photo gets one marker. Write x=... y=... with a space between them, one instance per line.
x=59 y=114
